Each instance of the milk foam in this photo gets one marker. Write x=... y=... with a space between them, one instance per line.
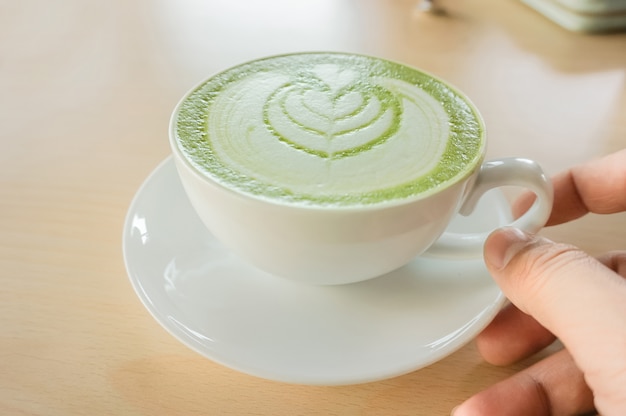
x=341 y=130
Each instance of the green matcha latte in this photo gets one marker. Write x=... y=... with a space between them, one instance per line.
x=329 y=129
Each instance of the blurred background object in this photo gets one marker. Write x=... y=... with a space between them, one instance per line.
x=595 y=16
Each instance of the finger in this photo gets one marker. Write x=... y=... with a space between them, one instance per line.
x=514 y=335
x=568 y=203
x=511 y=336
x=572 y=295
x=597 y=186
x=553 y=386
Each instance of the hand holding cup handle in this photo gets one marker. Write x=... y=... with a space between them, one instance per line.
x=496 y=173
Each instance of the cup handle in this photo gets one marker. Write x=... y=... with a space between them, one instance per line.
x=502 y=172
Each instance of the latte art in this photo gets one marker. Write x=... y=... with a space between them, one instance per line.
x=328 y=129
x=329 y=114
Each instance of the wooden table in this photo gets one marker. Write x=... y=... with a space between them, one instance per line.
x=86 y=91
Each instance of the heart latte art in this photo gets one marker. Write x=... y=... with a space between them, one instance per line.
x=327 y=113
x=328 y=129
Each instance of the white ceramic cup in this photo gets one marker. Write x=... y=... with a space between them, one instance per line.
x=345 y=244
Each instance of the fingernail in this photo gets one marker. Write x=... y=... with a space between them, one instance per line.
x=503 y=244
x=453 y=411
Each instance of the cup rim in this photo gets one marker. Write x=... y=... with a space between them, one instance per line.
x=467 y=172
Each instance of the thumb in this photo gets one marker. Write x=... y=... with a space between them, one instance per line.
x=559 y=285
x=570 y=293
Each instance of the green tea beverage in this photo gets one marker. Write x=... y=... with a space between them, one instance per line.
x=328 y=129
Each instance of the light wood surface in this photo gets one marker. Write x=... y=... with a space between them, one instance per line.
x=86 y=91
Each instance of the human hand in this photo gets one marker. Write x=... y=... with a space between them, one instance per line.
x=557 y=290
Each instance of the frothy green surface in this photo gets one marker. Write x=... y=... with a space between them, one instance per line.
x=329 y=129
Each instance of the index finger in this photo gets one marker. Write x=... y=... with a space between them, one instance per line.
x=598 y=186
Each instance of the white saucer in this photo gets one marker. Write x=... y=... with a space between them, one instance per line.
x=272 y=328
